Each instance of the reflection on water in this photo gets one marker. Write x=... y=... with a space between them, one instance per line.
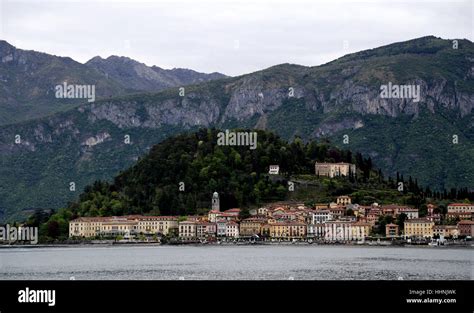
x=237 y=262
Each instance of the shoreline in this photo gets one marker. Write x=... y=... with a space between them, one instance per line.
x=268 y=244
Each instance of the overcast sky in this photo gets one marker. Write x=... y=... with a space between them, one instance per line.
x=232 y=37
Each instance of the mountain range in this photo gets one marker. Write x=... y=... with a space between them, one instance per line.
x=431 y=139
x=141 y=77
x=28 y=80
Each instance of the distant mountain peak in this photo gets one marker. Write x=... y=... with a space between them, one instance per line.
x=140 y=76
x=96 y=58
x=5 y=48
x=5 y=43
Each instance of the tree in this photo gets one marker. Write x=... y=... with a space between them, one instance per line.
x=383 y=221
x=244 y=213
x=401 y=220
x=423 y=211
x=53 y=229
x=39 y=217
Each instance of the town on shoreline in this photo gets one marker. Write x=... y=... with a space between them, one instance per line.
x=339 y=222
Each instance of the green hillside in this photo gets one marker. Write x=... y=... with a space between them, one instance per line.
x=178 y=176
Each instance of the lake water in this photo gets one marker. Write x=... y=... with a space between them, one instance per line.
x=237 y=262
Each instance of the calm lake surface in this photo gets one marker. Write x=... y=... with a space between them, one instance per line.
x=237 y=262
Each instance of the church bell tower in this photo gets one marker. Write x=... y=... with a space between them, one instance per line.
x=215 y=202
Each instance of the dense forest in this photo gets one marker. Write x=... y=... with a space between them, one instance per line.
x=179 y=175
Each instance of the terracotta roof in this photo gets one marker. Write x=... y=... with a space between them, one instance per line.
x=233 y=210
x=459 y=213
x=121 y=221
x=418 y=220
x=205 y=223
x=188 y=222
x=253 y=220
x=289 y=224
x=467 y=222
x=150 y=217
x=227 y=214
x=445 y=226
x=91 y=219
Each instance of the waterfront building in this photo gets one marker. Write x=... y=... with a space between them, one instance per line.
x=315 y=230
x=288 y=230
x=161 y=225
x=445 y=231
x=187 y=230
x=338 y=231
x=206 y=230
x=119 y=226
x=345 y=230
x=251 y=226
x=466 y=228
x=420 y=228
x=86 y=226
x=122 y=225
x=391 y=230
x=360 y=230
x=232 y=230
